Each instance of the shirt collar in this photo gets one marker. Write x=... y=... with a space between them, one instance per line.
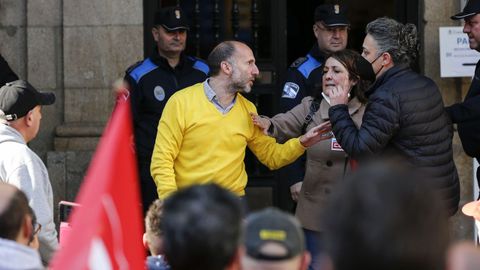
x=317 y=54
x=160 y=60
x=208 y=90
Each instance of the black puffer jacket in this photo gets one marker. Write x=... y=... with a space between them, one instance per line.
x=404 y=120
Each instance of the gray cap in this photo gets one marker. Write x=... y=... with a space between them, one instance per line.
x=273 y=226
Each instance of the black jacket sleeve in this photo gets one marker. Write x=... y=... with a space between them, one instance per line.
x=135 y=96
x=296 y=170
x=380 y=123
x=465 y=111
x=6 y=73
x=468 y=110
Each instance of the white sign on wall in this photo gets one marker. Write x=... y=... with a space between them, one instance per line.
x=456 y=57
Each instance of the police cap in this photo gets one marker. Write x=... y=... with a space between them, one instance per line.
x=331 y=15
x=171 y=18
x=470 y=9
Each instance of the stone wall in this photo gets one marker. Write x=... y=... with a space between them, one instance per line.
x=99 y=40
x=75 y=49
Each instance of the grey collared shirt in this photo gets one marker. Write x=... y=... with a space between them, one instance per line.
x=212 y=97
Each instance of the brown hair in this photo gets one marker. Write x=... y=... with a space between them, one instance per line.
x=355 y=65
x=152 y=225
x=13 y=215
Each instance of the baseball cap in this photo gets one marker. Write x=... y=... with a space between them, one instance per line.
x=272 y=226
x=171 y=18
x=470 y=9
x=17 y=98
x=331 y=15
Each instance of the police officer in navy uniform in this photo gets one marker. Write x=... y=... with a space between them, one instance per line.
x=466 y=114
x=304 y=76
x=152 y=82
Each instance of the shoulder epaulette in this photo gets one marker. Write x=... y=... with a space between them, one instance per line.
x=199 y=64
x=132 y=67
x=306 y=67
x=298 y=62
x=143 y=68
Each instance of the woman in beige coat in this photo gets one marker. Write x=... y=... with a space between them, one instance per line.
x=326 y=161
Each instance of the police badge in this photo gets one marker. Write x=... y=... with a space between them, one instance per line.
x=159 y=93
x=337 y=9
x=290 y=90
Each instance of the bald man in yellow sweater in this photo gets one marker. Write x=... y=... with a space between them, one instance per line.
x=205 y=129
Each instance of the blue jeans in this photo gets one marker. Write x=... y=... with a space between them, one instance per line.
x=313 y=240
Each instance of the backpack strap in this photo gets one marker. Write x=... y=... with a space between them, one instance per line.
x=314 y=106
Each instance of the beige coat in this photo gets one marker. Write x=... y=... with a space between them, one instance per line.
x=324 y=166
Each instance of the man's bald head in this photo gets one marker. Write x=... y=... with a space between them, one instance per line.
x=13 y=209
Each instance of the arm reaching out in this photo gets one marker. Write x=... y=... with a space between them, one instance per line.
x=316 y=134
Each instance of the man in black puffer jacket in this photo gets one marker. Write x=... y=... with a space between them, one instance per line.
x=405 y=118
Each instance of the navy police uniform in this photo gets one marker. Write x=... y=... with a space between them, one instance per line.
x=467 y=117
x=304 y=78
x=467 y=113
x=152 y=82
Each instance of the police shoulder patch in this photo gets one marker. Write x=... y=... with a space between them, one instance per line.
x=298 y=62
x=290 y=90
x=132 y=67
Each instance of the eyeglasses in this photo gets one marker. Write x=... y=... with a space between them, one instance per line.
x=36 y=228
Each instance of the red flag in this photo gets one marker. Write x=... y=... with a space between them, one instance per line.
x=107 y=229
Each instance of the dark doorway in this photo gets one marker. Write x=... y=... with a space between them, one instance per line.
x=278 y=31
x=300 y=20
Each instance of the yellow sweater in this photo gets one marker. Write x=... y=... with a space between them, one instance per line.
x=196 y=144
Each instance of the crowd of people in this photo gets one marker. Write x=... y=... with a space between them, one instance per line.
x=368 y=140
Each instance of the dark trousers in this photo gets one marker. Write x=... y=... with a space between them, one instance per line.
x=148 y=189
x=313 y=241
